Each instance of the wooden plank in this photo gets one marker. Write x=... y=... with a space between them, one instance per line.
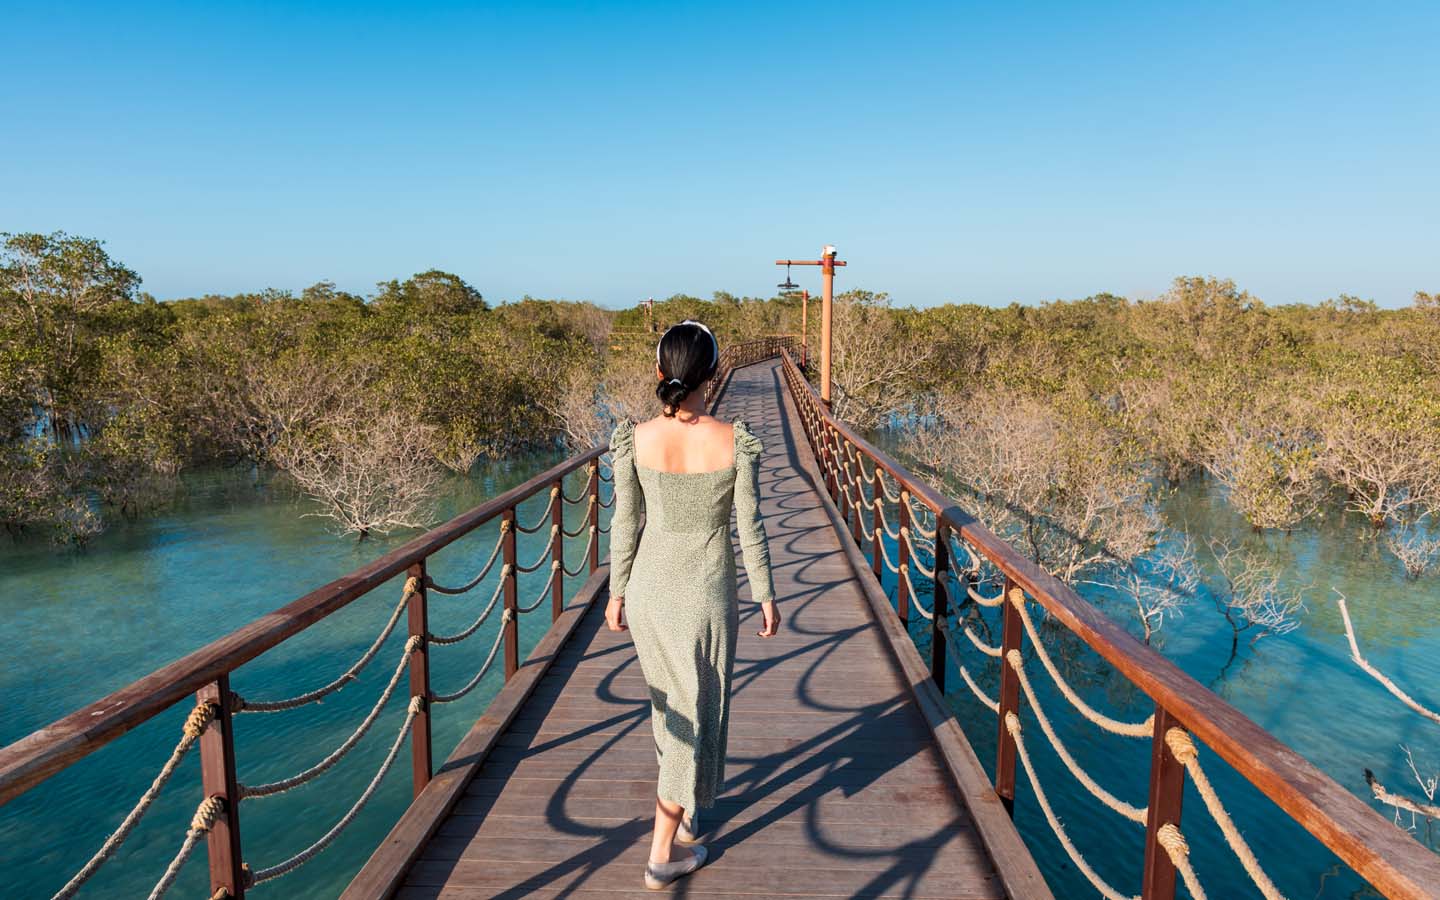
x=386 y=868
x=949 y=853
x=878 y=834
x=777 y=879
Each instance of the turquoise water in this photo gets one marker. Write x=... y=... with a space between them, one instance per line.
x=145 y=593
x=1302 y=687
x=83 y=624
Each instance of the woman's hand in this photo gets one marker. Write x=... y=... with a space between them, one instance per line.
x=772 y=619
x=614 y=614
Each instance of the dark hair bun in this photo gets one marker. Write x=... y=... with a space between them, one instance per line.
x=687 y=356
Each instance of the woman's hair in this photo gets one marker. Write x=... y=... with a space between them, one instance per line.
x=688 y=356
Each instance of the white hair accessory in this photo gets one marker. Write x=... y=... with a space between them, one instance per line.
x=714 y=361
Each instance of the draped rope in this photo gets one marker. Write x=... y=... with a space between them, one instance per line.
x=955 y=656
x=199 y=717
x=324 y=765
x=240 y=704
x=459 y=636
x=893 y=498
x=1129 y=811
x=505 y=619
x=578 y=569
x=974 y=567
x=544 y=592
x=484 y=570
x=585 y=492
x=1181 y=745
x=915 y=596
x=205 y=815
x=540 y=560
x=1128 y=729
x=544 y=514
x=885 y=524
x=885 y=558
x=310 y=852
x=1168 y=836
x=1012 y=725
x=914 y=557
x=997 y=600
x=584 y=524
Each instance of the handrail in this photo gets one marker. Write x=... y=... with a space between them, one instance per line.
x=206 y=672
x=1369 y=843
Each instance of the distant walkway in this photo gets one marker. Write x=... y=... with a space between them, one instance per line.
x=835 y=786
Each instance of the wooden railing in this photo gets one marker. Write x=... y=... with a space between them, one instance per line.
x=206 y=673
x=1378 y=851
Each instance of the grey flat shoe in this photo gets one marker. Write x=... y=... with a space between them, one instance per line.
x=689 y=830
x=657 y=877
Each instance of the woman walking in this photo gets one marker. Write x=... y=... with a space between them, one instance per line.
x=675 y=583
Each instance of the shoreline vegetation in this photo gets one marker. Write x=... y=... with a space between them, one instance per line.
x=1063 y=426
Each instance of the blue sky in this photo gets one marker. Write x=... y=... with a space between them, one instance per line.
x=981 y=152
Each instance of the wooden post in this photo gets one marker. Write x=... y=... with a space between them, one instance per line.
x=941 y=605
x=902 y=560
x=1167 y=789
x=417 y=609
x=857 y=505
x=827 y=460
x=877 y=522
x=804 y=325
x=1012 y=630
x=512 y=628
x=827 y=281
x=217 y=778
x=594 y=514
x=557 y=549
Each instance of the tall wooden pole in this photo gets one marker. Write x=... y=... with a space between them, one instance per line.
x=827 y=264
x=804 y=325
x=827 y=280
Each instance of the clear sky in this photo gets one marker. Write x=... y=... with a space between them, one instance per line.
x=608 y=151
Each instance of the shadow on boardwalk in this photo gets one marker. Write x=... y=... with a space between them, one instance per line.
x=834 y=786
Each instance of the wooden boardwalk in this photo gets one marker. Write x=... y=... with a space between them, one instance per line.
x=835 y=784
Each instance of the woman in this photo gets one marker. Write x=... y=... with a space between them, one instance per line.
x=686 y=469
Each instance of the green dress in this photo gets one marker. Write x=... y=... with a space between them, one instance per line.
x=678 y=579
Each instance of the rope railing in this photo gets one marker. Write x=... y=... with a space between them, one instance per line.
x=544 y=555
x=871 y=492
x=324 y=765
x=473 y=627
x=1134 y=813
x=195 y=723
x=208 y=670
x=310 y=852
x=484 y=570
x=242 y=704
x=506 y=618
x=204 y=819
x=1115 y=726
x=1185 y=752
x=1012 y=727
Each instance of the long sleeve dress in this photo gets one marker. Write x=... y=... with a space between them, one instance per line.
x=678 y=579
